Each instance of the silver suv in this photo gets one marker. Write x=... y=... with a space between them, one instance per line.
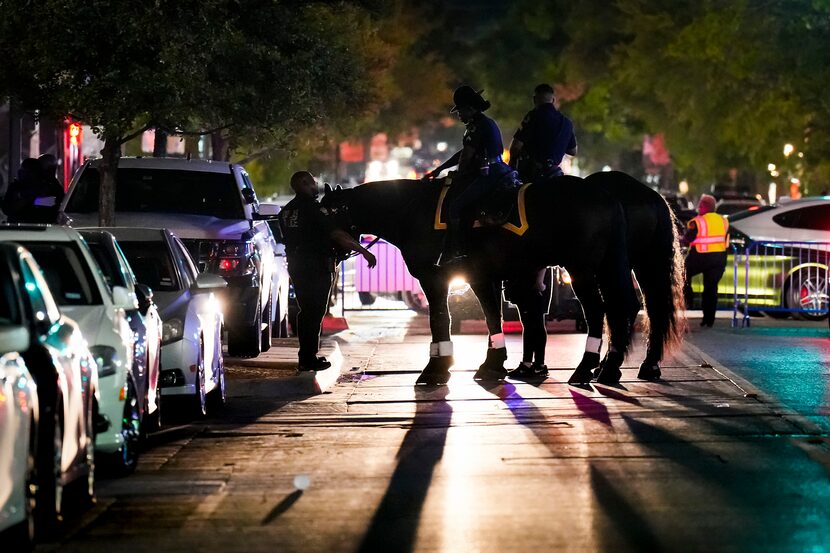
x=213 y=208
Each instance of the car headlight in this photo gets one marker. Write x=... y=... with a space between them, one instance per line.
x=107 y=359
x=171 y=331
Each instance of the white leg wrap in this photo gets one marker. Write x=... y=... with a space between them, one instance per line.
x=444 y=349
x=593 y=345
x=433 y=349
x=497 y=341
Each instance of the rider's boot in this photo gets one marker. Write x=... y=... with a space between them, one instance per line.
x=453 y=251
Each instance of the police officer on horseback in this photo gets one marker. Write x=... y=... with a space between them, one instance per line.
x=542 y=140
x=480 y=165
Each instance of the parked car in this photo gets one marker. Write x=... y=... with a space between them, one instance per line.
x=18 y=426
x=144 y=321
x=788 y=262
x=270 y=211
x=213 y=208
x=58 y=424
x=81 y=291
x=731 y=205
x=192 y=363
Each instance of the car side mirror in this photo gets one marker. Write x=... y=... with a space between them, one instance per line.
x=145 y=297
x=249 y=195
x=123 y=298
x=206 y=282
x=14 y=338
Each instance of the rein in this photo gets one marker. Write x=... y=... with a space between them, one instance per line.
x=372 y=243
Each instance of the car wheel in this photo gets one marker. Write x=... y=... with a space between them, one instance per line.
x=199 y=395
x=807 y=289
x=216 y=398
x=366 y=298
x=125 y=459
x=281 y=328
x=49 y=473
x=152 y=421
x=247 y=341
x=416 y=301
x=265 y=336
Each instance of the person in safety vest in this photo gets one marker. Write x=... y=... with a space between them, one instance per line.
x=708 y=237
x=309 y=237
x=479 y=163
x=542 y=140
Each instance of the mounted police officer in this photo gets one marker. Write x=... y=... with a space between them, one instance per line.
x=310 y=237
x=708 y=237
x=479 y=164
x=543 y=139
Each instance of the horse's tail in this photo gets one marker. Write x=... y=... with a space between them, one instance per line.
x=661 y=278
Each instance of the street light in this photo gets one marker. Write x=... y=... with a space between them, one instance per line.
x=788 y=149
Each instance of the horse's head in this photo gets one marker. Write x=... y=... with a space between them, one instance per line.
x=336 y=203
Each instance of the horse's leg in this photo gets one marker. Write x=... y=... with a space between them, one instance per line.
x=586 y=290
x=437 y=371
x=617 y=290
x=650 y=367
x=489 y=296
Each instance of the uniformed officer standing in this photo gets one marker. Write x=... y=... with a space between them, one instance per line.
x=309 y=237
x=708 y=236
x=479 y=161
x=542 y=140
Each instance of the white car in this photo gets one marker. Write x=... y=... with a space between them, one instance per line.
x=55 y=427
x=212 y=207
x=802 y=220
x=144 y=321
x=80 y=290
x=18 y=427
x=192 y=363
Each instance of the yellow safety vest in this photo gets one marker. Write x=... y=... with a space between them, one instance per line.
x=711 y=233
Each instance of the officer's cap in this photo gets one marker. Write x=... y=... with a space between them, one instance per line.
x=467 y=96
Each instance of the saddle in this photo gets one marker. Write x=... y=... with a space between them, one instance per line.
x=504 y=207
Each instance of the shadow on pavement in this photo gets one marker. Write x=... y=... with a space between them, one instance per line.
x=397 y=517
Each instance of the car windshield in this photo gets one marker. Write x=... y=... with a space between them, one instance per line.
x=147 y=190
x=66 y=271
x=109 y=266
x=753 y=210
x=152 y=264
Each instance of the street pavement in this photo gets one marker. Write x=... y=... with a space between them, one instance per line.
x=705 y=460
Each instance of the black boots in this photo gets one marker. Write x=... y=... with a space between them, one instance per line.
x=454 y=246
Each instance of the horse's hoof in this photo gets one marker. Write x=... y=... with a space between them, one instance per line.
x=609 y=376
x=581 y=376
x=436 y=373
x=649 y=372
x=490 y=374
x=609 y=372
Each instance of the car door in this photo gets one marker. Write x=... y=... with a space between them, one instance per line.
x=202 y=307
x=805 y=224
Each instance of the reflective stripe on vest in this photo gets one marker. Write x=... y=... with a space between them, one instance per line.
x=711 y=233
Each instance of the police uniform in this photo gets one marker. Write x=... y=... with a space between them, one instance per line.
x=485 y=166
x=546 y=135
x=311 y=266
x=707 y=236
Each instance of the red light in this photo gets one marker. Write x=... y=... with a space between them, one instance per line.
x=753 y=207
x=74 y=131
x=228 y=264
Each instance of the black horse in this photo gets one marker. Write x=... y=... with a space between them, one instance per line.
x=577 y=225
x=654 y=256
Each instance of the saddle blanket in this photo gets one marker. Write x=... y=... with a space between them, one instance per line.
x=517 y=222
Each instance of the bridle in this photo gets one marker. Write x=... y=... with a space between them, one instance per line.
x=342 y=216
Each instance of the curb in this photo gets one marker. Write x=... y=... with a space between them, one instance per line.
x=751 y=391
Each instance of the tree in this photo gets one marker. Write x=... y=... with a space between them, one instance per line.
x=268 y=69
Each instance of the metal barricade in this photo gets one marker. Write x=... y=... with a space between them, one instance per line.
x=779 y=278
x=390 y=279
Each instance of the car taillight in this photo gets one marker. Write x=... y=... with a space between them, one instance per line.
x=234 y=258
x=228 y=264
